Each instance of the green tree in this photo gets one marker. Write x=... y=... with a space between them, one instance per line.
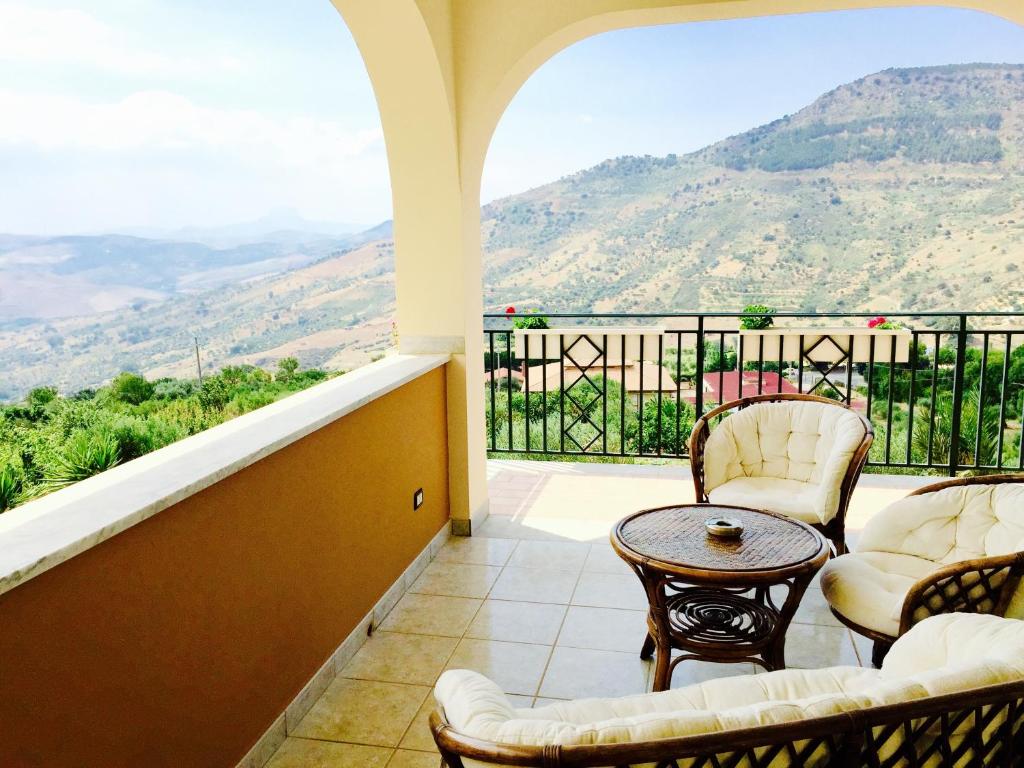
x=286 y=368
x=130 y=388
x=40 y=397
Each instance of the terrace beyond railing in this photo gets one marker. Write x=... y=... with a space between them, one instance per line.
x=631 y=385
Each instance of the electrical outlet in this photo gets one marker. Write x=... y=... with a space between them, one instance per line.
x=417 y=499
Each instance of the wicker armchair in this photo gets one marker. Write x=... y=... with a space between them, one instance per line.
x=798 y=455
x=954 y=546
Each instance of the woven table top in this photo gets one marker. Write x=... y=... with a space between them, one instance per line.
x=676 y=536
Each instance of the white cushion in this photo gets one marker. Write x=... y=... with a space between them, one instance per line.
x=788 y=497
x=808 y=443
x=952 y=524
x=916 y=536
x=869 y=588
x=939 y=655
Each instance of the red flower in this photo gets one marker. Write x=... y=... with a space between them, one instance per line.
x=510 y=310
x=875 y=321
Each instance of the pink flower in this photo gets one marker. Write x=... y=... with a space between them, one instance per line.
x=510 y=310
x=875 y=321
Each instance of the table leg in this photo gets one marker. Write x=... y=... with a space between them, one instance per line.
x=663 y=665
x=775 y=654
x=648 y=648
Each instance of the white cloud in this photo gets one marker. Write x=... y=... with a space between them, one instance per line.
x=157 y=158
x=71 y=36
x=162 y=121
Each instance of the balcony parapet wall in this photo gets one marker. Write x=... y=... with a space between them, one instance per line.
x=43 y=533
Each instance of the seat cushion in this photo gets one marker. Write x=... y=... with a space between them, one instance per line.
x=473 y=705
x=788 y=497
x=869 y=588
x=955 y=638
x=806 y=442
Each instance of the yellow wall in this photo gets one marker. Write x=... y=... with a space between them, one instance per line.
x=179 y=641
x=443 y=72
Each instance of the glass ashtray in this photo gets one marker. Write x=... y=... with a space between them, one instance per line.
x=724 y=527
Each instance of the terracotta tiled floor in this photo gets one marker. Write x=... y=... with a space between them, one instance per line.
x=538 y=602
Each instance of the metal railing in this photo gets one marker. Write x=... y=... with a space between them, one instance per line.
x=963 y=376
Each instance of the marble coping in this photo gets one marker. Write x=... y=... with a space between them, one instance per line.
x=44 y=533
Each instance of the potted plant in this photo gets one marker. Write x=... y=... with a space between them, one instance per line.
x=535 y=340
x=881 y=341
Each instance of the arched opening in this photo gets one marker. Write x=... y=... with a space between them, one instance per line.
x=832 y=166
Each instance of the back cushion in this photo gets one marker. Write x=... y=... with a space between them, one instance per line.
x=792 y=440
x=952 y=524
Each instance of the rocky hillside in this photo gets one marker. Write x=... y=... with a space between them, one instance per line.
x=904 y=189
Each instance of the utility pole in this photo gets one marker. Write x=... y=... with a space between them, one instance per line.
x=199 y=366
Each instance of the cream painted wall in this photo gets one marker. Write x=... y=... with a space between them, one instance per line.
x=444 y=71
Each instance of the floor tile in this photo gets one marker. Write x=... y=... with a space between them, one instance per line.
x=518 y=701
x=537 y=585
x=517 y=622
x=693 y=672
x=605 y=629
x=608 y=590
x=306 y=753
x=514 y=667
x=864 y=647
x=404 y=758
x=456 y=580
x=540 y=701
x=504 y=528
x=813 y=609
x=577 y=673
x=432 y=615
x=417 y=736
x=477 y=550
x=363 y=711
x=603 y=559
x=400 y=658
x=814 y=647
x=565 y=556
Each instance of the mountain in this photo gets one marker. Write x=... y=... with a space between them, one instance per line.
x=281 y=225
x=335 y=313
x=901 y=190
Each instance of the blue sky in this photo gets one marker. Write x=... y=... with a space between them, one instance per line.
x=167 y=113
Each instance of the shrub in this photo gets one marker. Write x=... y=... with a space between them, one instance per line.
x=286 y=368
x=10 y=486
x=757 y=317
x=84 y=455
x=130 y=388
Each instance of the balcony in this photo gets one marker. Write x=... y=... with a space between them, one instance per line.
x=269 y=592
x=537 y=601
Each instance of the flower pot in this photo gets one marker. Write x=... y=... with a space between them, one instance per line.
x=589 y=344
x=826 y=345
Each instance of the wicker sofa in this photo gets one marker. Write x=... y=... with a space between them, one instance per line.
x=798 y=455
x=951 y=693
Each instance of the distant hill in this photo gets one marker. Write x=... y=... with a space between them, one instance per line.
x=282 y=225
x=901 y=190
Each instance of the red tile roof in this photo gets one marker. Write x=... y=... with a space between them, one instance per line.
x=724 y=386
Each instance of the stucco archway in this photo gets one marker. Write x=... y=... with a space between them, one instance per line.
x=444 y=72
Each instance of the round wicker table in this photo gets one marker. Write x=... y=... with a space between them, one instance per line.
x=712 y=597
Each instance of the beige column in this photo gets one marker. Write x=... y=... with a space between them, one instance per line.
x=408 y=53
